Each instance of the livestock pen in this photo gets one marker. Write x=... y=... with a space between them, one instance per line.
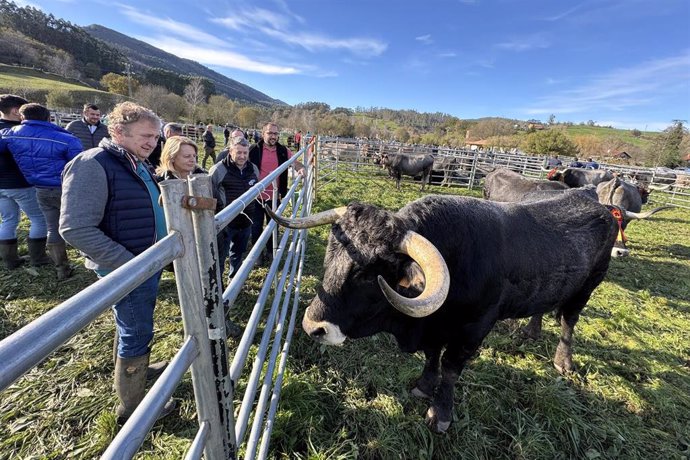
x=628 y=398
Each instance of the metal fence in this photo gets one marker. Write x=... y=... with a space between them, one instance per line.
x=466 y=168
x=191 y=246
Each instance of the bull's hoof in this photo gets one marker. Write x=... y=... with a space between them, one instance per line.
x=530 y=333
x=564 y=367
x=418 y=393
x=435 y=422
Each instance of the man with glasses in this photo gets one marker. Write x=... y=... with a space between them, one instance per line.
x=268 y=154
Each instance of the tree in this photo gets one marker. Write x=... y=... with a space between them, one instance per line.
x=152 y=97
x=552 y=119
x=402 y=134
x=247 y=117
x=194 y=95
x=549 y=142
x=115 y=83
x=669 y=144
x=636 y=133
x=220 y=109
x=59 y=99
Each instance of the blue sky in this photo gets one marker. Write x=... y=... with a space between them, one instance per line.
x=624 y=63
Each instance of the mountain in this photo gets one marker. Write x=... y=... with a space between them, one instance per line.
x=145 y=57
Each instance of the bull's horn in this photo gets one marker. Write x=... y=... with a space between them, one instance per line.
x=644 y=215
x=659 y=187
x=321 y=218
x=435 y=272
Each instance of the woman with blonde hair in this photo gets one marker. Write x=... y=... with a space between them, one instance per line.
x=178 y=159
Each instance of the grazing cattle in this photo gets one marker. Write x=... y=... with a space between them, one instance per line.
x=506 y=185
x=409 y=165
x=457 y=265
x=576 y=177
x=617 y=192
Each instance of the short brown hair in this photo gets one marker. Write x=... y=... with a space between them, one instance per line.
x=34 y=111
x=126 y=113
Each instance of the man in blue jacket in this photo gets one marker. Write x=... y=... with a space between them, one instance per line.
x=111 y=213
x=41 y=150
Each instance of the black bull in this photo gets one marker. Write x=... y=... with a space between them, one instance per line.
x=457 y=266
x=409 y=165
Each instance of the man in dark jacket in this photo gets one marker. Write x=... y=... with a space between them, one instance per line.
x=111 y=213
x=17 y=194
x=41 y=150
x=268 y=154
x=89 y=129
x=209 y=145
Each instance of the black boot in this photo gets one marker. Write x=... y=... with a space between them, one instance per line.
x=8 y=253
x=58 y=252
x=130 y=384
x=37 y=252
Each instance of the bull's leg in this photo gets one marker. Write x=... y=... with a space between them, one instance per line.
x=563 y=359
x=431 y=376
x=440 y=413
x=533 y=328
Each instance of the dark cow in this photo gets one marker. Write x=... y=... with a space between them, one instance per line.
x=445 y=165
x=506 y=185
x=409 y=165
x=456 y=266
x=577 y=177
x=630 y=197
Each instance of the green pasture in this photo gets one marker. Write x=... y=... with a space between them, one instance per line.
x=14 y=78
x=629 y=399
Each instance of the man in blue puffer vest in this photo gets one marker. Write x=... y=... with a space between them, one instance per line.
x=41 y=150
x=111 y=213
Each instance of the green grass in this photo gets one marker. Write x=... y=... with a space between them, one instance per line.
x=630 y=397
x=13 y=78
x=623 y=135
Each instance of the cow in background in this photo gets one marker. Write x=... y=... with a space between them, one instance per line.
x=506 y=185
x=577 y=177
x=409 y=165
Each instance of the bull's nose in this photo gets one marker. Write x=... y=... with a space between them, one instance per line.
x=619 y=252
x=318 y=333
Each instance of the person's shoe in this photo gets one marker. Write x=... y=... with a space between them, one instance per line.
x=58 y=252
x=155 y=370
x=8 y=254
x=37 y=252
x=130 y=386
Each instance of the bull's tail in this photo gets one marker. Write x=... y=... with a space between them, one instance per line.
x=645 y=215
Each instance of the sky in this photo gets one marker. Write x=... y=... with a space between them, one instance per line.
x=620 y=63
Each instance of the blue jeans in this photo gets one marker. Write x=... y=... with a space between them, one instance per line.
x=11 y=201
x=233 y=241
x=134 y=319
x=49 y=201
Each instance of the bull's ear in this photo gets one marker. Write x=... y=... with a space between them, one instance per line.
x=411 y=282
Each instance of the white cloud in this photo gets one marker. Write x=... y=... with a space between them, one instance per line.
x=621 y=89
x=448 y=55
x=530 y=42
x=425 y=39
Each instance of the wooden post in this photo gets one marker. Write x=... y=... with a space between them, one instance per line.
x=190 y=296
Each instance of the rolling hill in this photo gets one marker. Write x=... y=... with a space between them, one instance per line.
x=144 y=56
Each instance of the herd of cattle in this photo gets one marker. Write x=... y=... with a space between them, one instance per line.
x=440 y=272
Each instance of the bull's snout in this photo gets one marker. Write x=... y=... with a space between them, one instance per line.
x=322 y=331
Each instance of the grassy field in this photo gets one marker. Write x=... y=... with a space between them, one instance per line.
x=13 y=78
x=630 y=397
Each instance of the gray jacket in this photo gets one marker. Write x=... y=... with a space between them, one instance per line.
x=81 y=129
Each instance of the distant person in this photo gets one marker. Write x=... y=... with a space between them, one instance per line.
x=209 y=145
x=256 y=137
x=591 y=164
x=268 y=154
x=17 y=194
x=235 y=137
x=553 y=162
x=576 y=163
x=89 y=129
x=41 y=150
x=172 y=130
x=178 y=159
x=111 y=213
x=298 y=139
x=226 y=135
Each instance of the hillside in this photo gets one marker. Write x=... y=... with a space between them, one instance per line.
x=144 y=56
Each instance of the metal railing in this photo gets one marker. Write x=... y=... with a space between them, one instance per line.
x=191 y=246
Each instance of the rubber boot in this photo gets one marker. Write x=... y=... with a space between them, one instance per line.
x=130 y=386
x=153 y=371
x=37 y=252
x=8 y=253
x=58 y=252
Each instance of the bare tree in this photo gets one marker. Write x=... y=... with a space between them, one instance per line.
x=194 y=95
